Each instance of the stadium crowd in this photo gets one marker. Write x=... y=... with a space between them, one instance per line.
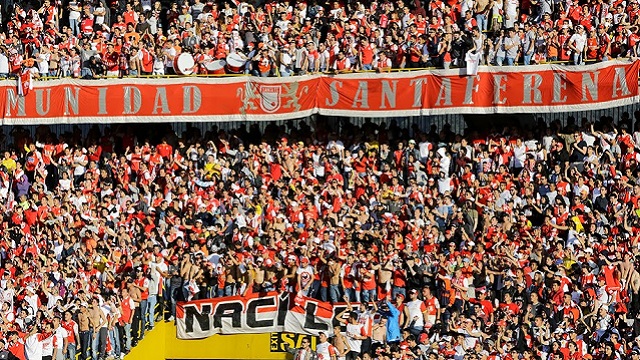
x=499 y=245
x=97 y=38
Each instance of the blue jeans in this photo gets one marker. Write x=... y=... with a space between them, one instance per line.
x=398 y=290
x=173 y=298
x=322 y=293
x=99 y=343
x=334 y=293
x=86 y=72
x=510 y=61
x=481 y=19
x=314 y=290
x=368 y=295
x=127 y=337
x=114 y=339
x=499 y=60
x=415 y=331
x=352 y=294
x=577 y=59
x=143 y=311
x=85 y=340
x=285 y=72
x=527 y=59
x=74 y=25
x=229 y=289
x=367 y=67
x=151 y=308
x=71 y=352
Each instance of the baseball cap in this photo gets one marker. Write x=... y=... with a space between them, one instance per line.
x=423 y=338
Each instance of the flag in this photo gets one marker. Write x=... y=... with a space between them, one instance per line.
x=579 y=226
x=24 y=82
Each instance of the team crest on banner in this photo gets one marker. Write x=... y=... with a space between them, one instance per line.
x=270 y=97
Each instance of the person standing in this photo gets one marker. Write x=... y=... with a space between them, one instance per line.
x=157 y=271
x=16 y=345
x=99 y=323
x=111 y=309
x=577 y=44
x=174 y=284
x=392 y=314
x=5 y=354
x=340 y=343
x=304 y=352
x=355 y=334
x=528 y=43
x=73 y=337
x=142 y=283
x=324 y=349
x=127 y=307
x=604 y=42
x=84 y=326
x=511 y=47
x=60 y=342
x=415 y=313
x=134 y=292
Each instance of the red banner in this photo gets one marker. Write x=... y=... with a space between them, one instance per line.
x=524 y=89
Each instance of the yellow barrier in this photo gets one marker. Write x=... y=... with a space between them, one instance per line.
x=161 y=343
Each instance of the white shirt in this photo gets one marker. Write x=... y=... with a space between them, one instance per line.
x=52 y=299
x=354 y=330
x=416 y=309
x=79 y=169
x=4 y=64
x=325 y=350
x=33 y=302
x=58 y=337
x=33 y=347
x=99 y=19
x=306 y=275
x=156 y=277
x=170 y=54
x=74 y=13
x=9 y=315
x=520 y=155
x=425 y=148
x=580 y=41
x=146 y=5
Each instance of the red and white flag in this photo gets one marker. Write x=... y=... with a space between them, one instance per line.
x=25 y=84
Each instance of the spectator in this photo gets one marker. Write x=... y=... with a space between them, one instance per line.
x=409 y=35
x=511 y=47
x=304 y=352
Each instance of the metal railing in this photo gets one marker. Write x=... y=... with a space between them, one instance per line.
x=226 y=75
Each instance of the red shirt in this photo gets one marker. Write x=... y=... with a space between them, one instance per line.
x=143 y=282
x=127 y=309
x=367 y=54
x=164 y=150
x=71 y=328
x=17 y=349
